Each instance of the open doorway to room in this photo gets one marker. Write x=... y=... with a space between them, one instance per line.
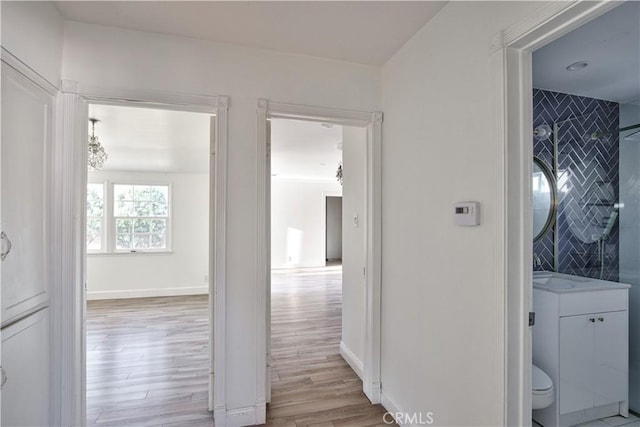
x=147 y=266
x=586 y=269
x=317 y=241
x=333 y=229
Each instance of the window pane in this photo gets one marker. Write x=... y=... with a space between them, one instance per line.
x=141 y=241
x=158 y=241
x=159 y=209
x=123 y=208
x=160 y=194
x=142 y=208
x=123 y=241
x=142 y=226
x=94 y=234
x=95 y=199
x=123 y=226
x=122 y=192
x=159 y=226
x=142 y=193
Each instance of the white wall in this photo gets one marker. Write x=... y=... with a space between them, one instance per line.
x=32 y=31
x=630 y=242
x=298 y=222
x=440 y=305
x=354 y=155
x=181 y=272
x=116 y=58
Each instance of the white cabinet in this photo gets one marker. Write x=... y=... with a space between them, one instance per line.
x=27 y=129
x=25 y=395
x=26 y=183
x=581 y=340
x=593 y=360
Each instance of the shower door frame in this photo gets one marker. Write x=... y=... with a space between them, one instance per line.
x=511 y=58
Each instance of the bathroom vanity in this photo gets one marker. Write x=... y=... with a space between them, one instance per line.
x=581 y=340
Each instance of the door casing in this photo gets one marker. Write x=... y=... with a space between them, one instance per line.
x=372 y=121
x=511 y=62
x=73 y=102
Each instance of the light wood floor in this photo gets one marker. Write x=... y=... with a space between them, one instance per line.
x=147 y=359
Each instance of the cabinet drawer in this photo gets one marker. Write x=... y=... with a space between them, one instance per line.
x=575 y=303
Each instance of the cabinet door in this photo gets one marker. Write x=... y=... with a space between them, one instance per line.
x=576 y=363
x=611 y=369
x=27 y=113
x=25 y=359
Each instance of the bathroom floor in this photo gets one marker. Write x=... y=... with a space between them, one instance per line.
x=632 y=421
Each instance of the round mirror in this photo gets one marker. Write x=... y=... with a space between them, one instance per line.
x=544 y=198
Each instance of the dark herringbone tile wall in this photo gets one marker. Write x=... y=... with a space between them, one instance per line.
x=588 y=167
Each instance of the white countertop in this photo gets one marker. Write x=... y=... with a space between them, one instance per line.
x=566 y=283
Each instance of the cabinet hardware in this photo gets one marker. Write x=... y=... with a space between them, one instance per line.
x=600 y=319
x=4 y=237
x=592 y=320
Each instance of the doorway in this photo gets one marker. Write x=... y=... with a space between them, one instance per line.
x=71 y=338
x=372 y=123
x=147 y=265
x=512 y=65
x=333 y=227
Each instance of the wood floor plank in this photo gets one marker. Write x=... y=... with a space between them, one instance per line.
x=147 y=359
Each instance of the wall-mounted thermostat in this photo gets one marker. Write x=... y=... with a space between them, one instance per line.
x=466 y=213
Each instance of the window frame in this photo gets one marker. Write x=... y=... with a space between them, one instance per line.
x=109 y=229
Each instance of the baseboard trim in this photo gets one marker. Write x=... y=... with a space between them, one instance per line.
x=401 y=416
x=355 y=363
x=246 y=416
x=147 y=293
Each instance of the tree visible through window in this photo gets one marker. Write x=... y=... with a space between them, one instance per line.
x=95 y=217
x=141 y=214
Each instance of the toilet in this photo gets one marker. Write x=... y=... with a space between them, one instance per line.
x=541 y=389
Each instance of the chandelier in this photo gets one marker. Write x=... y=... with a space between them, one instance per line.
x=339 y=173
x=96 y=154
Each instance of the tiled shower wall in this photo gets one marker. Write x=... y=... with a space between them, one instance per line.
x=588 y=181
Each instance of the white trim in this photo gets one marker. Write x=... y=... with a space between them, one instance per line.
x=147 y=293
x=246 y=416
x=218 y=268
x=373 y=122
x=15 y=63
x=355 y=363
x=391 y=406
x=74 y=178
x=512 y=94
x=69 y=345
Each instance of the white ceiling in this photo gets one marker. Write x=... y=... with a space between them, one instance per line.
x=304 y=150
x=367 y=32
x=152 y=140
x=611 y=45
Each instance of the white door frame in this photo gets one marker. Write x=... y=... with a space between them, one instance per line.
x=511 y=57
x=72 y=171
x=372 y=121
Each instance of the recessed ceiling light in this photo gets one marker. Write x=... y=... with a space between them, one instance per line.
x=578 y=66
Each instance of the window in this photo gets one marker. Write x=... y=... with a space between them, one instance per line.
x=95 y=217
x=141 y=214
x=134 y=218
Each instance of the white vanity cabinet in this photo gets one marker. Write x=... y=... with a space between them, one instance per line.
x=581 y=340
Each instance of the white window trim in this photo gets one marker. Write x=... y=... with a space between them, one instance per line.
x=108 y=232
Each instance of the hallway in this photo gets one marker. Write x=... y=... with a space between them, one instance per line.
x=311 y=383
